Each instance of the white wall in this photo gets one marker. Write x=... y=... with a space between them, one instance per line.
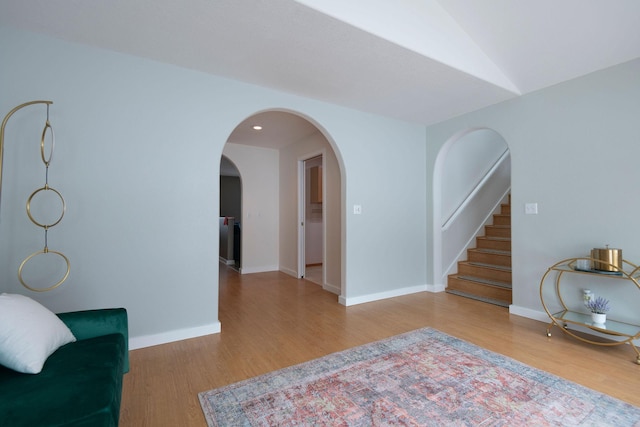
x=260 y=209
x=574 y=150
x=467 y=161
x=137 y=159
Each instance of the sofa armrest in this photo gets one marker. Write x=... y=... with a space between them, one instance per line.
x=94 y=323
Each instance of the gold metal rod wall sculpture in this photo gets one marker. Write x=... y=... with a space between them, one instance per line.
x=46 y=187
x=4 y=124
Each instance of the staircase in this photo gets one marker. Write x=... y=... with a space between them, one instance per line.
x=486 y=274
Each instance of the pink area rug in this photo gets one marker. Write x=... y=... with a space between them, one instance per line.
x=421 y=378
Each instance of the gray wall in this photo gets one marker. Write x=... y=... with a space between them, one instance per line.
x=137 y=159
x=574 y=151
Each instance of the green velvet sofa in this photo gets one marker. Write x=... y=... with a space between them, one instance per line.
x=80 y=383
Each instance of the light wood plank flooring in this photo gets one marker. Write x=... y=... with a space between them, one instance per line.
x=271 y=320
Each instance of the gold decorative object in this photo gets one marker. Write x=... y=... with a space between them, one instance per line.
x=551 y=294
x=55 y=285
x=47 y=161
x=4 y=124
x=606 y=259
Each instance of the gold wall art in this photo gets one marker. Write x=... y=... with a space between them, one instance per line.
x=46 y=156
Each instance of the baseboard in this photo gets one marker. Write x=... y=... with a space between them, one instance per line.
x=263 y=269
x=381 y=295
x=332 y=288
x=171 y=336
x=289 y=271
x=542 y=316
x=227 y=261
x=438 y=287
x=538 y=315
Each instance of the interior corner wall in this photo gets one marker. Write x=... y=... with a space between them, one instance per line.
x=138 y=160
x=259 y=171
x=574 y=150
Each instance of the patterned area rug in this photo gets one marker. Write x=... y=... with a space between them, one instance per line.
x=421 y=378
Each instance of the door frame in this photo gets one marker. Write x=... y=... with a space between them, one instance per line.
x=302 y=197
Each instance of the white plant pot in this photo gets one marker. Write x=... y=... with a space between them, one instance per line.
x=598 y=318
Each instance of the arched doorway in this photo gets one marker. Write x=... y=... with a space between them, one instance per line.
x=267 y=149
x=472 y=177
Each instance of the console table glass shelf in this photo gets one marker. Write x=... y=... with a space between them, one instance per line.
x=625 y=332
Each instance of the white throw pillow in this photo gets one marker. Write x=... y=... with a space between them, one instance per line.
x=29 y=333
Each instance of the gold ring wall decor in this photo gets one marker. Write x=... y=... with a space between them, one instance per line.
x=33 y=220
x=47 y=127
x=44 y=252
x=46 y=159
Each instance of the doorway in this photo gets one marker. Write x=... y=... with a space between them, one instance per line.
x=230 y=217
x=269 y=150
x=312 y=230
x=471 y=178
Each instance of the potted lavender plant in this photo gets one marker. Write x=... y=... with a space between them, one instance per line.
x=599 y=308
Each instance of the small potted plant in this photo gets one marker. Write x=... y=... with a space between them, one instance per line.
x=599 y=308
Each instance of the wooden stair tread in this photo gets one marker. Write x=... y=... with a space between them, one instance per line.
x=491 y=251
x=486 y=274
x=482 y=264
x=479 y=298
x=502 y=239
x=484 y=281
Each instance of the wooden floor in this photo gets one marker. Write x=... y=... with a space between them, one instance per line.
x=271 y=320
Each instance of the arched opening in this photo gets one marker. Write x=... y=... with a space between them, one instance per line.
x=268 y=160
x=472 y=178
x=230 y=217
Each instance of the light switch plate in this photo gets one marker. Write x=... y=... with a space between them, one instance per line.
x=357 y=209
x=531 y=208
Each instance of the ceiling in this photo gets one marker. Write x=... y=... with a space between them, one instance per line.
x=279 y=129
x=422 y=61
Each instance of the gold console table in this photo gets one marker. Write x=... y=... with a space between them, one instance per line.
x=625 y=333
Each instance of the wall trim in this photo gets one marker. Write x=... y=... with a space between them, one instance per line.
x=529 y=313
x=381 y=295
x=438 y=287
x=543 y=317
x=289 y=271
x=174 y=335
x=227 y=261
x=263 y=269
x=332 y=288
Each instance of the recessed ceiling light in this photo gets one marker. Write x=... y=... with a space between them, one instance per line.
x=257 y=127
